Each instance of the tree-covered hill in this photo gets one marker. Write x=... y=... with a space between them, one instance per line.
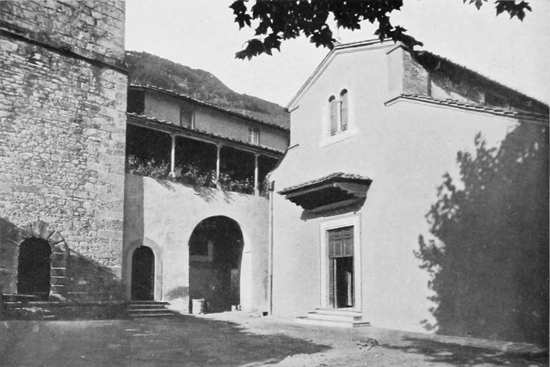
x=147 y=69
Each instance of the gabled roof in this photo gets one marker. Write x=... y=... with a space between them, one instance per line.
x=326 y=60
x=423 y=55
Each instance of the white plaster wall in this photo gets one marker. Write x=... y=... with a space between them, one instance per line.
x=162 y=215
x=405 y=148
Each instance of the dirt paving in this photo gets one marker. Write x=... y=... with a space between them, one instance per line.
x=229 y=339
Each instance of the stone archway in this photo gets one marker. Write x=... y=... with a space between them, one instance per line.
x=36 y=234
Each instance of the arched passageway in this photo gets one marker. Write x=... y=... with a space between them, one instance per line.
x=215 y=254
x=33 y=270
x=143 y=274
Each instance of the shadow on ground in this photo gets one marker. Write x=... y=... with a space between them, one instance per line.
x=458 y=355
x=181 y=341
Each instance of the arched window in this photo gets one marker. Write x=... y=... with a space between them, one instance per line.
x=333 y=105
x=344 y=108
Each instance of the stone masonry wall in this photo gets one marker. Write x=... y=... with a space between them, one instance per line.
x=62 y=135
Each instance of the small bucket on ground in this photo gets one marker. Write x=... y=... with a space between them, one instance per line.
x=198 y=306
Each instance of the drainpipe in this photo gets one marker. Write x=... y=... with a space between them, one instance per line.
x=270 y=254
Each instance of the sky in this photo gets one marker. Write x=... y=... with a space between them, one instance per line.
x=203 y=35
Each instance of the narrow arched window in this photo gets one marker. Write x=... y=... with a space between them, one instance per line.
x=344 y=110
x=333 y=105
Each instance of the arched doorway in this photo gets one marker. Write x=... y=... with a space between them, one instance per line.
x=215 y=254
x=33 y=270
x=143 y=274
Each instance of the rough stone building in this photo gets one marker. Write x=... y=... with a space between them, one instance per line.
x=62 y=145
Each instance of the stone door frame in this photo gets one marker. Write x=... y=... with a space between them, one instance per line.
x=58 y=258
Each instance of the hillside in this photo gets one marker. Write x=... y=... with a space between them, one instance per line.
x=147 y=69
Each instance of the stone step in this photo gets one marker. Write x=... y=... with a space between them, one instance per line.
x=140 y=315
x=147 y=305
x=337 y=311
x=336 y=317
x=20 y=297
x=138 y=309
x=331 y=323
x=159 y=309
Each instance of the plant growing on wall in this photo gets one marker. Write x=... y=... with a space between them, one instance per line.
x=149 y=168
x=189 y=173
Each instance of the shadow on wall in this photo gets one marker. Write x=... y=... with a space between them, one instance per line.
x=87 y=280
x=488 y=252
x=9 y=240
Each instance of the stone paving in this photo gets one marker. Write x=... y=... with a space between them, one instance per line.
x=230 y=339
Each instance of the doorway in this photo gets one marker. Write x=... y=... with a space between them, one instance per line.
x=143 y=274
x=33 y=270
x=341 y=271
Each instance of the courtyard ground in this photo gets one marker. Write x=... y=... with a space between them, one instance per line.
x=229 y=339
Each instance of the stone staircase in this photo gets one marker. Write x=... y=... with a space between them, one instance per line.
x=140 y=309
x=346 y=318
x=26 y=307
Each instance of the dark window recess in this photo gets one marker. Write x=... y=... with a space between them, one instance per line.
x=254 y=135
x=136 y=101
x=186 y=117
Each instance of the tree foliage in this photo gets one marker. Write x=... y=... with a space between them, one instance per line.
x=487 y=252
x=274 y=21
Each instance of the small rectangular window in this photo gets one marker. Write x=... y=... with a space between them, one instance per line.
x=344 y=111
x=333 y=116
x=254 y=135
x=186 y=117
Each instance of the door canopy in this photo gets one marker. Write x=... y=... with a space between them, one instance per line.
x=336 y=189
